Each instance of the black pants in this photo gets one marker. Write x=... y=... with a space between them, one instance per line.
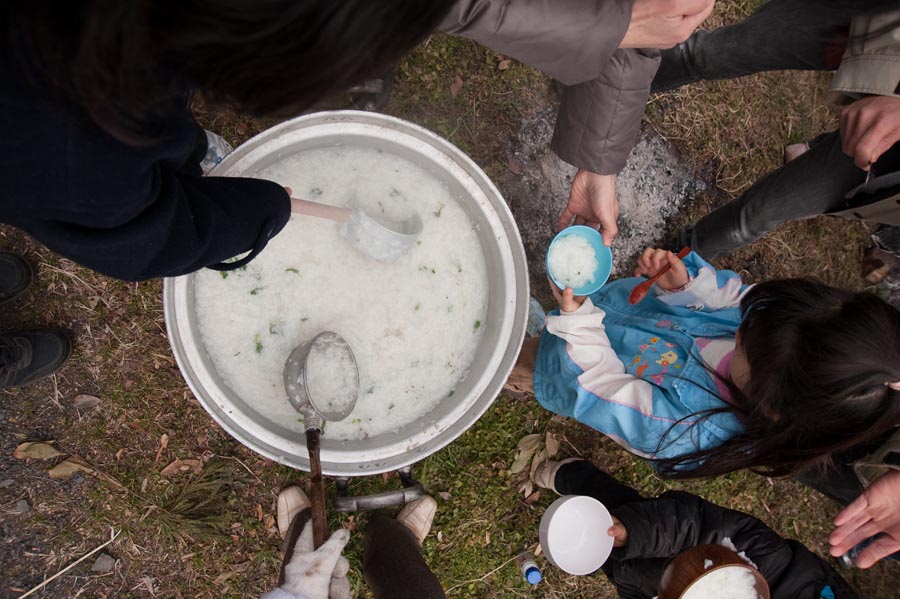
x=583 y=478
x=392 y=559
x=838 y=482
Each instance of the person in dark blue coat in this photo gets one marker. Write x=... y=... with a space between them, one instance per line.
x=100 y=153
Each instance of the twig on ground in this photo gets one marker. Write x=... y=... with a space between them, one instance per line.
x=575 y=449
x=112 y=538
x=247 y=468
x=97 y=292
x=56 y=394
x=483 y=578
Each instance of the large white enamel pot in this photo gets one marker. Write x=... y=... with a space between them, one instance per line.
x=283 y=441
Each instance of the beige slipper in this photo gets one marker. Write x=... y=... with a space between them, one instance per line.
x=291 y=501
x=418 y=515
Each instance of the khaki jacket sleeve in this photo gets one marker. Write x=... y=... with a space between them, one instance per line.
x=871 y=63
x=577 y=43
x=599 y=121
x=570 y=40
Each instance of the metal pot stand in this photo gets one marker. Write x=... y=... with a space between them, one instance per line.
x=344 y=502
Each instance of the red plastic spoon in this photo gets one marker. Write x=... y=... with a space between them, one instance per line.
x=640 y=290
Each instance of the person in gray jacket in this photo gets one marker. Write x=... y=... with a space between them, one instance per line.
x=605 y=53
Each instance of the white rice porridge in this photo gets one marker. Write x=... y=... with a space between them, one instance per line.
x=572 y=261
x=413 y=325
x=331 y=376
x=724 y=583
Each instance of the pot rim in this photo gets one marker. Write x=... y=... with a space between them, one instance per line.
x=511 y=296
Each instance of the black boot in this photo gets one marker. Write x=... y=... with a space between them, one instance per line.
x=28 y=356
x=15 y=276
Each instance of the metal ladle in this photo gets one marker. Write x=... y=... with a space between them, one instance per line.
x=315 y=410
x=382 y=239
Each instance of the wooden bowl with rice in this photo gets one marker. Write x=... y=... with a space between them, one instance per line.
x=712 y=572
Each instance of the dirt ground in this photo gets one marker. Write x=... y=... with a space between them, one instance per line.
x=204 y=526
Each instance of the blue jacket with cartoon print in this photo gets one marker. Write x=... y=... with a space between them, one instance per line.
x=635 y=372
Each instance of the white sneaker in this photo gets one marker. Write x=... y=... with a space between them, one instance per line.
x=291 y=501
x=545 y=475
x=418 y=515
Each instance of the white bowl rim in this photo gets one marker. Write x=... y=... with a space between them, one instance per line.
x=603 y=519
x=607 y=256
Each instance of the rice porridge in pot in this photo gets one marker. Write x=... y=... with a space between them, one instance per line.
x=413 y=325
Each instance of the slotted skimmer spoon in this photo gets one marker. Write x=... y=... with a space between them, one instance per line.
x=321 y=379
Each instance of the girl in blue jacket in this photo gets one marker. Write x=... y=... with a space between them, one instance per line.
x=708 y=375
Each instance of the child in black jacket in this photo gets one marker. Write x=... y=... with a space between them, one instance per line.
x=650 y=532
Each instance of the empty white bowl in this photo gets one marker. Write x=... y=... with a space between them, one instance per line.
x=574 y=535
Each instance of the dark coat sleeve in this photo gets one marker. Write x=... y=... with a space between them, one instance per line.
x=184 y=224
x=577 y=43
x=131 y=211
x=664 y=527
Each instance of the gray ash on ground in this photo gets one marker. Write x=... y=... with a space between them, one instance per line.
x=653 y=187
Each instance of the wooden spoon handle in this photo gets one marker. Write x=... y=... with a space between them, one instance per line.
x=317 y=488
x=640 y=290
x=335 y=213
x=680 y=255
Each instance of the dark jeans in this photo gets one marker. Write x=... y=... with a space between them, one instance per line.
x=813 y=184
x=781 y=35
x=392 y=559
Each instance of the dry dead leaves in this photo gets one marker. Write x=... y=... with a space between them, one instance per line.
x=163 y=443
x=70 y=466
x=43 y=450
x=85 y=402
x=514 y=167
x=533 y=450
x=179 y=466
x=233 y=570
x=456 y=86
x=37 y=450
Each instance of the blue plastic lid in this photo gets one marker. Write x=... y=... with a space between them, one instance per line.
x=533 y=575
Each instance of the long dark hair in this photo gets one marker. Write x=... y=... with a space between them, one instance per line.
x=820 y=362
x=123 y=60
